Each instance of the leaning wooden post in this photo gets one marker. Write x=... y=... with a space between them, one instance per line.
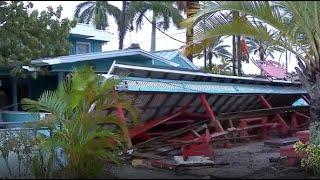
x=284 y=125
x=208 y=109
x=122 y=119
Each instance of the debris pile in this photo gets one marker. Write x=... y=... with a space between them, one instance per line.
x=183 y=139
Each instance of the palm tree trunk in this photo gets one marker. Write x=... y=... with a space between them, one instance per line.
x=205 y=49
x=239 y=58
x=153 y=34
x=210 y=62
x=205 y=58
x=286 y=60
x=261 y=54
x=314 y=121
x=234 y=55
x=122 y=25
x=237 y=50
x=313 y=90
x=189 y=34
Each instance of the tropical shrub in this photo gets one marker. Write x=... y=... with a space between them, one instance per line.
x=311 y=159
x=83 y=136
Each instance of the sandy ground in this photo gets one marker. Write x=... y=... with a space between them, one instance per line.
x=246 y=161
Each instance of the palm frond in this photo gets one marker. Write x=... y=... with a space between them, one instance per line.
x=86 y=14
x=80 y=7
x=259 y=9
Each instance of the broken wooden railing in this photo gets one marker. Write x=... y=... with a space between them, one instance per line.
x=201 y=132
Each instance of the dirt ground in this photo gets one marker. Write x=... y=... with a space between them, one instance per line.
x=246 y=161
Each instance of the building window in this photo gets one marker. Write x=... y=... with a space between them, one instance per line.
x=83 y=47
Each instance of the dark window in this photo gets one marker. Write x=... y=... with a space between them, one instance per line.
x=83 y=47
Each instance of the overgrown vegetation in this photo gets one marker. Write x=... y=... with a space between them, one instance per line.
x=225 y=68
x=82 y=136
x=20 y=143
x=80 y=125
x=310 y=156
x=27 y=34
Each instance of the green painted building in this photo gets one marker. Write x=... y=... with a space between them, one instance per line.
x=86 y=49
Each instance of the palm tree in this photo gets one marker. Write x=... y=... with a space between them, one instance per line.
x=162 y=14
x=97 y=12
x=298 y=31
x=193 y=48
x=79 y=105
x=264 y=49
x=190 y=8
x=224 y=68
x=216 y=49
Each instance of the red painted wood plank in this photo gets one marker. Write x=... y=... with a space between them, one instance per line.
x=206 y=106
x=121 y=117
x=151 y=123
x=266 y=104
x=210 y=113
x=303 y=115
x=178 y=122
x=257 y=126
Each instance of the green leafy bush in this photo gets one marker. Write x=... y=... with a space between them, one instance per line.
x=310 y=156
x=84 y=136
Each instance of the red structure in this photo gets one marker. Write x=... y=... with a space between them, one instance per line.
x=200 y=140
x=190 y=113
x=283 y=128
x=292 y=158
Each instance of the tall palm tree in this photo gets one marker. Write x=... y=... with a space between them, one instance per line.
x=190 y=8
x=124 y=22
x=162 y=14
x=216 y=49
x=97 y=12
x=193 y=48
x=298 y=30
x=264 y=49
x=224 y=68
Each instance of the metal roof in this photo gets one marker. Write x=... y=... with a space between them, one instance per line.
x=176 y=56
x=89 y=32
x=180 y=86
x=188 y=75
x=152 y=105
x=157 y=92
x=100 y=55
